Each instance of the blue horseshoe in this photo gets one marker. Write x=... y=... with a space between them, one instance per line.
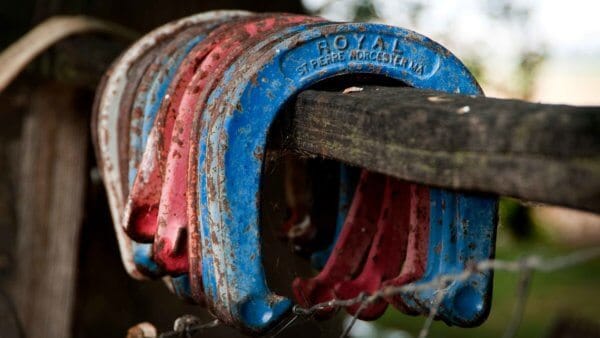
x=265 y=309
x=231 y=148
x=458 y=236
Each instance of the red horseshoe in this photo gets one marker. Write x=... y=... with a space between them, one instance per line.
x=417 y=246
x=351 y=247
x=387 y=252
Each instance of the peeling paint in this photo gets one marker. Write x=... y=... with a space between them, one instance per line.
x=181 y=122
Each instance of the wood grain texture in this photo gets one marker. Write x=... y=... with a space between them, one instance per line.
x=50 y=209
x=9 y=325
x=537 y=152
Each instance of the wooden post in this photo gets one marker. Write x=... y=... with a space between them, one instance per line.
x=51 y=195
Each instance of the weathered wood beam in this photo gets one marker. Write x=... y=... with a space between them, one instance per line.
x=50 y=210
x=536 y=152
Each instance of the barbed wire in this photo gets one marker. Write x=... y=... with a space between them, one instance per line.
x=524 y=266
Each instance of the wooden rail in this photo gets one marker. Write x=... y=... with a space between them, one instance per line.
x=536 y=152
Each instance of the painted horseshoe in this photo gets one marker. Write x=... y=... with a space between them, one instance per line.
x=387 y=252
x=107 y=120
x=202 y=253
x=170 y=247
x=149 y=94
x=416 y=248
x=235 y=140
x=351 y=247
x=141 y=210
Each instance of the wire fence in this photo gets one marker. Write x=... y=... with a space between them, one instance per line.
x=188 y=326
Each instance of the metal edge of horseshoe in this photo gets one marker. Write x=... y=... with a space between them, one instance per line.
x=167 y=68
x=141 y=76
x=463 y=242
x=201 y=218
x=254 y=31
x=419 y=62
x=107 y=121
x=176 y=53
x=452 y=246
x=170 y=243
x=177 y=261
x=233 y=43
x=276 y=307
x=154 y=72
x=157 y=148
x=180 y=284
x=141 y=252
x=135 y=84
x=194 y=238
x=139 y=217
x=153 y=75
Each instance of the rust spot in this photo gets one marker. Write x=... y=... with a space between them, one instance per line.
x=258 y=153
